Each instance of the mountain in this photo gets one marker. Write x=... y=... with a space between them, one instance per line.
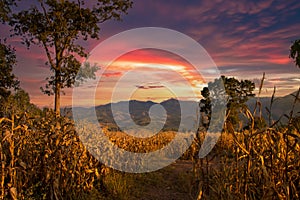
x=133 y=113
x=280 y=108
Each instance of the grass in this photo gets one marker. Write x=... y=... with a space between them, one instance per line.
x=172 y=182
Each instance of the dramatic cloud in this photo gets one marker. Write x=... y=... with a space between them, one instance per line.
x=244 y=38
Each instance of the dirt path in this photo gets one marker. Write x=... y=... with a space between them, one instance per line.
x=171 y=183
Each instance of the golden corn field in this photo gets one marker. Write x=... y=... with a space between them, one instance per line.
x=255 y=164
x=42 y=157
x=152 y=100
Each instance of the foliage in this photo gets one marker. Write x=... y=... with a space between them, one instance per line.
x=57 y=26
x=5 y=9
x=86 y=71
x=259 y=123
x=238 y=93
x=7 y=79
x=18 y=104
x=259 y=162
x=205 y=107
x=295 y=52
x=43 y=158
x=252 y=164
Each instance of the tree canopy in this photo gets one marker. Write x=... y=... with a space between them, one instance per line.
x=18 y=103
x=295 y=52
x=5 y=9
x=238 y=93
x=7 y=56
x=57 y=26
x=7 y=79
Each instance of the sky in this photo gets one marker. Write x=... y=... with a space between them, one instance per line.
x=243 y=38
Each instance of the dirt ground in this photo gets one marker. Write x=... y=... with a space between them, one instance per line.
x=170 y=183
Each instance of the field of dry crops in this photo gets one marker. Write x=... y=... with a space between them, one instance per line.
x=252 y=165
x=42 y=157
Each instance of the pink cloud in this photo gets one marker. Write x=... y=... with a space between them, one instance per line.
x=112 y=74
x=243 y=34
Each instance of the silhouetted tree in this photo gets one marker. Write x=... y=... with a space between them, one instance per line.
x=238 y=93
x=56 y=26
x=5 y=9
x=7 y=56
x=295 y=52
x=205 y=108
x=8 y=80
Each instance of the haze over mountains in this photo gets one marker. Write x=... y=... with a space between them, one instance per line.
x=144 y=114
x=140 y=112
x=280 y=108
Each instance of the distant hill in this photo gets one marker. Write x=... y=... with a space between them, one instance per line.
x=139 y=112
x=281 y=106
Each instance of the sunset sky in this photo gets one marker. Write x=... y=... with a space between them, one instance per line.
x=244 y=38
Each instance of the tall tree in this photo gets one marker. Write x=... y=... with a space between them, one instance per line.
x=56 y=26
x=295 y=52
x=7 y=79
x=238 y=93
x=5 y=9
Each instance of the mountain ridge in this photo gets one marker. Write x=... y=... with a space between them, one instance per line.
x=139 y=111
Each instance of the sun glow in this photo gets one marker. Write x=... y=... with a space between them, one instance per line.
x=158 y=72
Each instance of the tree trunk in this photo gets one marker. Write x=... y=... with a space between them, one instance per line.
x=57 y=93
x=57 y=101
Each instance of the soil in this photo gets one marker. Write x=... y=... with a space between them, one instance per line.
x=170 y=183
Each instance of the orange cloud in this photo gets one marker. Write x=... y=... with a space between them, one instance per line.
x=157 y=61
x=112 y=74
x=154 y=68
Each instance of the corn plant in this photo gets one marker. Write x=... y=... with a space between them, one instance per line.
x=43 y=158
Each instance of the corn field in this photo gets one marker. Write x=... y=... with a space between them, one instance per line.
x=256 y=163
x=42 y=157
x=252 y=165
